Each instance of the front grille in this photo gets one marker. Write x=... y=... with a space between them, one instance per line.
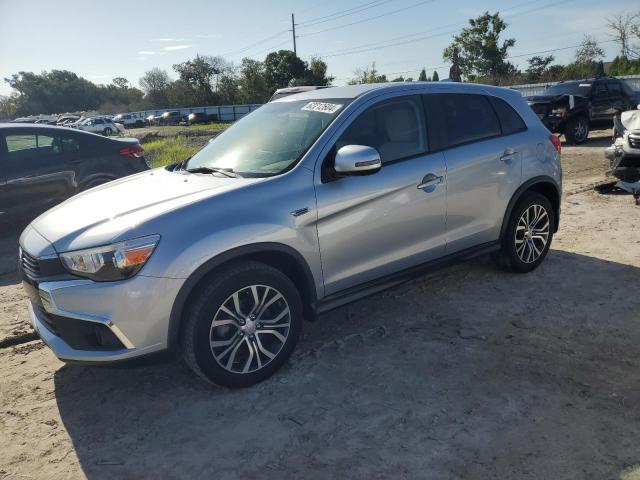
x=30 y=265
x=634 y=141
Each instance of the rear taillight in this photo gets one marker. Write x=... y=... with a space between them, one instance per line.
x=556 y=142
x=132 y=151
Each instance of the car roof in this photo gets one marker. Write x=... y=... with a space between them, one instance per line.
x=354 y=91
x=45 y=128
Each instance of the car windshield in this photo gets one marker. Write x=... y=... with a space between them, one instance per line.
x=575 y=88
x=271 y=139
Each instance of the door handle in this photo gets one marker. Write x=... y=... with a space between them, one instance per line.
x=508 y=155
x=430 y=180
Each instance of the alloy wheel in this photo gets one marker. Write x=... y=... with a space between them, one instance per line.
x=532 y=233
x=249 y=329
x=580 y=130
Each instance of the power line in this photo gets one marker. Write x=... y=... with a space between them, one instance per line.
x=343 y=13
x=369 y=18
x=260 y=42
x=381 y=44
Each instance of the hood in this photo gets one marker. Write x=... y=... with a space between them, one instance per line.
x=631 y=120
x=106 y=213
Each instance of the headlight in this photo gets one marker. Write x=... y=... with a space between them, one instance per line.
x=111 y=262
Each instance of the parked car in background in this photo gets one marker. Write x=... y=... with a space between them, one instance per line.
x=303 y=205
x=67 y=119
x=284 y=92
x=40 y=166
x=152 y=119
x=170 y=118
x=104 y=126
x=130 y=119
x=572 y=108
x=196 y=118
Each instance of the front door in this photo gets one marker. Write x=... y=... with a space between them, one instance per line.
x=375 y=225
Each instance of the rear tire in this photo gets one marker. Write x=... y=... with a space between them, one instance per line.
x=243 y=325
x=577 y=130
x=107 y=132
x=527 y=239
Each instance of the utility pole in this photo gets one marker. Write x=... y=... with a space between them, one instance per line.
x=293 y=29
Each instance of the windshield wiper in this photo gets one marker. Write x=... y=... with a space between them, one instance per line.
x=227 y=172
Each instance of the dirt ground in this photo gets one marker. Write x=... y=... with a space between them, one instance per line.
x=467 y=373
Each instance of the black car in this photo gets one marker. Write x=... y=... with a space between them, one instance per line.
x=571 y=108
x=40 y=166
x=170 y=118
x=198 y=117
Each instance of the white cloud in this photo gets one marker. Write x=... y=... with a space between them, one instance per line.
x=167 y=39
x=176 y=47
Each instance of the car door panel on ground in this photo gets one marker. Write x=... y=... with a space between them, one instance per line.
x=483 y=160
x=37 y=170
x=375 y=225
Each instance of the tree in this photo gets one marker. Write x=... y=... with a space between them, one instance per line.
x=423 y=76
x=120 y=82
x=589 y=51
x=623 y=27
x=436 y=77
x=283 y=68
x=624 y=66
x=480 y=52
x=198 y=74
x=317 y=73
x=367 y=75
x=252 y=83
x=53 y=92
x=537 y=67
x=155 y=83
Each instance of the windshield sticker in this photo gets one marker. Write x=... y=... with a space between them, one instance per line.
x=329 y=108
x=584 y=85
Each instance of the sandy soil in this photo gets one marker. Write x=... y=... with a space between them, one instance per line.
x=466 y=373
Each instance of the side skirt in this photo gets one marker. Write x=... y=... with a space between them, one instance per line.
x=372 y=287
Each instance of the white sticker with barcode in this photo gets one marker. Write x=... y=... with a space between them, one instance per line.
x=329 y=108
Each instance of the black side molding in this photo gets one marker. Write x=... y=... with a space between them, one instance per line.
x=367 y=289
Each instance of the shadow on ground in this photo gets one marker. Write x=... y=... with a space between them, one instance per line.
x=468 y=373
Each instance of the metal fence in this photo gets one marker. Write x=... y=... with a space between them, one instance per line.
x=225 y=113
x=538 y=88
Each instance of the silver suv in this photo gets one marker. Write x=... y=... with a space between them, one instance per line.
x=310 y=202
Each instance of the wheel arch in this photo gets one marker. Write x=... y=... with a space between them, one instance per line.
x=543 y=185
x=277 y=255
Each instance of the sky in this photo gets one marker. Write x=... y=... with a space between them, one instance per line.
x=103 y=40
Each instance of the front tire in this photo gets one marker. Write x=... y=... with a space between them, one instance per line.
x=243 y=325
x=528 y=236
x=577 y=130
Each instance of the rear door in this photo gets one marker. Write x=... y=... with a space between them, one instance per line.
x=484 y=167
x=618 y=100
x=37 y=171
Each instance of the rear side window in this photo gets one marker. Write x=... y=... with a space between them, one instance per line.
x=467 y=118
x=614 y=88
x=17 y=143
x=510 y=120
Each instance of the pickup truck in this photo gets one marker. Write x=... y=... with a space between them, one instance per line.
x=572 y=108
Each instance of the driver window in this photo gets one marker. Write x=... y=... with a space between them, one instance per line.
x=396 y=128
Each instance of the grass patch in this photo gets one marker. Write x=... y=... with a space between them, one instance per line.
x=169 y=150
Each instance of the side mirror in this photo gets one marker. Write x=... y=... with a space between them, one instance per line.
x=357 y=160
